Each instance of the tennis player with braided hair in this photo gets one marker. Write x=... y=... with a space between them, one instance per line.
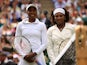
x=31 y=38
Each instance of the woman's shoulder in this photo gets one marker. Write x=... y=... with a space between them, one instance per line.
x=51 y=28
x=23 y=21
x=39 y=22
x=19 y=24
x=70 y=25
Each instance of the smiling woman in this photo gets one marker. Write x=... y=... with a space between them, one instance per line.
x=58 y=36
x=35 y=32
x=32 y=13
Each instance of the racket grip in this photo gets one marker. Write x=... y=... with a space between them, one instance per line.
x=38 y=63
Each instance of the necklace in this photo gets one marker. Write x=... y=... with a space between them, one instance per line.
x=61 y=27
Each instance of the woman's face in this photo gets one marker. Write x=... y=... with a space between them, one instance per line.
x=59 y=18
x=32 y=12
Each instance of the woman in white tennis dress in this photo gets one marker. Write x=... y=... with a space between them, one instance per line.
x=35 y=32
x=58 y=36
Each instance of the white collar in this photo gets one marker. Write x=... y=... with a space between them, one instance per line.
x=27 y=22
x=67 y=25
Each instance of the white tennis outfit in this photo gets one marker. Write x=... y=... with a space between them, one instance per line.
x=36 y=33
x=57 y=40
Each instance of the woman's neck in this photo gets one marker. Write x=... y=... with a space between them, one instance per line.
x=61 y=26
x=31 y=20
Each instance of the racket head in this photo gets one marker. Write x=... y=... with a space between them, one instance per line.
x=24 y=44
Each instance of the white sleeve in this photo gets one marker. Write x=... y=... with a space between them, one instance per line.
x=43 y=40
x=17 y=40
x=50 y=46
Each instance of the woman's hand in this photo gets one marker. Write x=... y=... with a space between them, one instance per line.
x=30 y=57
x=30 y=60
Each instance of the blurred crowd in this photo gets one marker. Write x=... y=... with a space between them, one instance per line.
x=13 y=11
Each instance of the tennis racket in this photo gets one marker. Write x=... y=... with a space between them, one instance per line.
x=70 y=41
x=25 y=46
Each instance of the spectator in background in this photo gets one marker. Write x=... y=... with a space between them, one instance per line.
x=10 y=60
x=84 y=18
x=6 y=30
x=82 y=11
x=4 y=18
x=57 y=38
x=44 y=18
x=15 y=12
x=76 y=17
x=25 y=4
x=3 y=56
x=23 y=8
x=16 y=58
x=79 y=21
x=71 y=20
x=59 y=4
x=38 y=5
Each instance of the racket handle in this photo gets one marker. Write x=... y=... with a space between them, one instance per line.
x=38 y=63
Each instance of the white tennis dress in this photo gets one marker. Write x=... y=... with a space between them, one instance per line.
x=36 y=33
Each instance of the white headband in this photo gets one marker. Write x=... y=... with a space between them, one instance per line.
x=61 y=10
x=30 y=5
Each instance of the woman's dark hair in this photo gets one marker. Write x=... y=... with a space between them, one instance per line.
x=52 y=18
x=66 y=16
